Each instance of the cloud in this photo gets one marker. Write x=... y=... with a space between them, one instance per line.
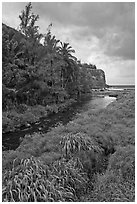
x=117 y=71
x=119 y=44
x=102 y=20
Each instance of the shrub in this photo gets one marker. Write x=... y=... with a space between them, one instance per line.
x=82 y=147
x=74 y=143
x=70 y=174
x=31 y=181
x=26 y=182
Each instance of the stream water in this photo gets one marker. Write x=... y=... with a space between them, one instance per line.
x=11 y=140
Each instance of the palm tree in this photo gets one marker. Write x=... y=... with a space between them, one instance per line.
x=50 y=42
x=69 y=71
x=51 y=51
x=66 y=50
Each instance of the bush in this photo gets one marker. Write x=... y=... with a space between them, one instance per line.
x=31 y=181
x=74 y=143
x=71 y=175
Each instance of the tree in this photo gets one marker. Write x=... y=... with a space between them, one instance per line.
x=28 y=20
x=28 y=28
x=66 y=50
x=51 y=51
x=69 y=72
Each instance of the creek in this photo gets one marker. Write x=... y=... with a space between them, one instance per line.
x=11 y=140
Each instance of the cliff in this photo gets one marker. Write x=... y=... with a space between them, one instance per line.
x=97 y=78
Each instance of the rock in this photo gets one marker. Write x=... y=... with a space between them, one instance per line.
x=113 y=95
x=28 y=125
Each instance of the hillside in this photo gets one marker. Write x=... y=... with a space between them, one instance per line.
x=41 y=77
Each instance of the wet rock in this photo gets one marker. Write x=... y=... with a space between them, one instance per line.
x=113 y=95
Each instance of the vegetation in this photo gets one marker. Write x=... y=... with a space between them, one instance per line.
x=38 y=70
x=95 y=151
x=31 y=181
x=89 y=159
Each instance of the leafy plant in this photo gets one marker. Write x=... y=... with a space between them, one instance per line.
x=74 y=143
x=30 y=181
x=70 y=174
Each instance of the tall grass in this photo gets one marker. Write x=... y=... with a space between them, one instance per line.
x=118 y=182
x=98 y=146
x=64 y=180
x=31 y=181
x=73 y=144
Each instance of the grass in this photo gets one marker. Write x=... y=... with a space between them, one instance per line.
x=31 y=181
x=101 y=143
x=118 y=182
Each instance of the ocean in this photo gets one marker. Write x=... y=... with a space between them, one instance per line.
x=121 y=87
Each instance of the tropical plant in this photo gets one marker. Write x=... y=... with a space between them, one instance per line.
x=28 y=20
x=50 y=42
x=30 y=181
x=70 y=174
x=74 y=143
x=69 y=71
x=51 y=51
x=66 y=50
x=28 y=28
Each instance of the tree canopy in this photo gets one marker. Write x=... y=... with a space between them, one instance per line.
x=38 y=72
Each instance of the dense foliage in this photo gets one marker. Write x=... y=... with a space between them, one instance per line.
x=38 y=68
x=95 y=151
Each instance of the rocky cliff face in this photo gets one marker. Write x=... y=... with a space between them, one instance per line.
x=96 y=78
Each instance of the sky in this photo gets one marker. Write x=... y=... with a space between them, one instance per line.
x=102 y=33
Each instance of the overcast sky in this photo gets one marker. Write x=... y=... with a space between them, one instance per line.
x=101 y=33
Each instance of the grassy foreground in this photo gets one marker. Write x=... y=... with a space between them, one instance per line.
x=90 y=159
